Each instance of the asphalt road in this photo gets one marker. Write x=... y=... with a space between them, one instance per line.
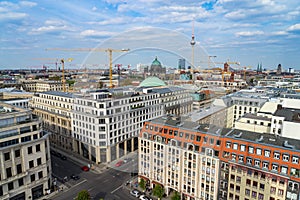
x=109 y=185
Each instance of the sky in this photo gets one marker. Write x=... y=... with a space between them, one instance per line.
x=250 y=32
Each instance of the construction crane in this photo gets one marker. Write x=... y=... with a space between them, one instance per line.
x=109 y=50
x=62 y=61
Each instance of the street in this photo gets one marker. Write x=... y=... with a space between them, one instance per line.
x=108 y=185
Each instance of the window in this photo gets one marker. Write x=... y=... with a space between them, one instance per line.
x=31 y=165
x=276 y=155
x=21 y=182
x=258 y=151
x=29 y=150
x=247 y=192
x=40 y=174
x=38 y=148
x=265 y=165
x=267 y=153
x=284 y=170
x=260 y=196
x=243 y=147
x=233 y=157
x=218 y=142
x=254 y=194
x=211 y=141
x=228 y=144
x=19 y=169
x=235 y=146
x=8 y=172
x=10 y=186
x=17 y=153
x=274 y=167
x=280 y=192
x=32 y=177
x=250 y=149
x=7 y=156
x=257 y=163
x=285 y=157
x=39 y=161
x=295 y=160
x=241 y=158
x=205 y=139
x=249 y=161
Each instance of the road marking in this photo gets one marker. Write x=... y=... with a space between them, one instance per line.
x=80 y=183
x=117 y=196
x=116 y=189
x=90 y=189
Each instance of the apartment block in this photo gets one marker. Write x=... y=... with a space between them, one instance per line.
x=246 y=165
x=24 y=155
x=55 y=109
x=106 y=123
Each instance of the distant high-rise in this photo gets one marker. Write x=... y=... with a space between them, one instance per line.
x=181 y=63
x=279 y=69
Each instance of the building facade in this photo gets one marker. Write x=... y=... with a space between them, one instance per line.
x=106 y=123
x=55 y=109
x=43 y=85
x=248 y=165
x=24 y=155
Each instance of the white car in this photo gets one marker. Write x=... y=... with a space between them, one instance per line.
x=143 y=197
x=135 y=193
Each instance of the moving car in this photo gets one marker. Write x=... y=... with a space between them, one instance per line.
x=119 y=163
x=135 y=193
x=85 y=168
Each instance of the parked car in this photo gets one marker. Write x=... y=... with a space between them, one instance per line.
x=144 y=197
x=85 y=168
x=74 y=177
x=119 y=163
x=135 y=193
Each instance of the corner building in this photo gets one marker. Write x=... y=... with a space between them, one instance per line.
x=206 y=162
x=25 y=166
x=106 y=123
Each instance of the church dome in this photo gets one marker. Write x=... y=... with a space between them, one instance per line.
x=156 y=62
x=152 y=82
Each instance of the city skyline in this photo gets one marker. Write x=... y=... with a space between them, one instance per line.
x=249 y=32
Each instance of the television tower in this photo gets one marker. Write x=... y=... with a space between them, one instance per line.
x=193 y=42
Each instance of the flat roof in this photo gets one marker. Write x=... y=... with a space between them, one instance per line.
x=59 y=93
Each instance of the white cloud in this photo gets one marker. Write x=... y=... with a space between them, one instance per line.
x=295 y=27
x=94 y=33
x=12 y=16
x=248 y=33
x=235 y=15
x=94 y=8
x=28 y=3
x=111 y=21
x=279 y=33
x=50 y=28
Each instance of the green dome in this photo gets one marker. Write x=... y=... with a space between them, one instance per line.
x=152 y=82
x=156 y=62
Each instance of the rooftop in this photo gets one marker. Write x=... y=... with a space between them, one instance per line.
x=253 y=137
x=59 y=93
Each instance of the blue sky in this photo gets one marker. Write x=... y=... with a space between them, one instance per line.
x=246 y=31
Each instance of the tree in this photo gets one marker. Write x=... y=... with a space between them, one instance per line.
x=83 y=195
x=158 y=191
x=176 y=196
x=142 y=184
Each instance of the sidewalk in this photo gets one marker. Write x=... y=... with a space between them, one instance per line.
x=95 y=168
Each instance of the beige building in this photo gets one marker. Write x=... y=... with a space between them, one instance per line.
x=24 y=155
x=43 y=85
x=55 y=109
x=254 y=123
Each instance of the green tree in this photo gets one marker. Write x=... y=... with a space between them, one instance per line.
x=142 y=184
x=176 y=196
x=158 y=191
x=83 y=195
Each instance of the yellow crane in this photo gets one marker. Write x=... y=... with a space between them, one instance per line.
x=109 y=50
x=62 y=61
